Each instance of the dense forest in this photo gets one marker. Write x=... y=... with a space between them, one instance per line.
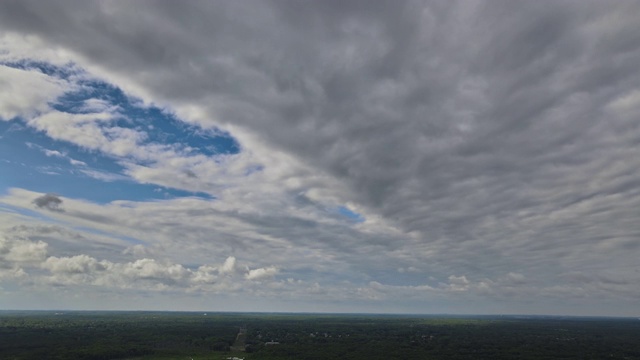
x=179 y=335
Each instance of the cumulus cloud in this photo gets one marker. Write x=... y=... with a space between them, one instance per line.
x=20 y=250
x=79 y=264
x=229 y=265
x=25 y=93
x=458 y=283
x=261 y=273
x=85 y=270
x=15 y=273
x=24 y=256
x=21 y=257
x=82 y=270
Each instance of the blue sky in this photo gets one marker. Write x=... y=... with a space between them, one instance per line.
x=459 y=157
x=32 y=159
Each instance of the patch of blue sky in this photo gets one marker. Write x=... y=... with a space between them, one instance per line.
x=24 y=159
x=160 y=125
x=69 y=182
x=61 y=72
x=350 y=215
x=26 y=164
x=19 y=142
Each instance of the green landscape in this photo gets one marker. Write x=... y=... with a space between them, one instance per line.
x=198 y=335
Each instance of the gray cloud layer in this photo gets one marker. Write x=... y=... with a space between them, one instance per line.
x=498 y=136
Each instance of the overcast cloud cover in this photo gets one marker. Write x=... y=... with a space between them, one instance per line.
x=357 y=156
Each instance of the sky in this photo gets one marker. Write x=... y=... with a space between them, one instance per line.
x=438 y=157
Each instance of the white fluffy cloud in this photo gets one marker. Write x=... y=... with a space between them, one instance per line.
x=23 y=259
x=229 y=265
x=27 y=93
x=19 y=251
x=261 y=273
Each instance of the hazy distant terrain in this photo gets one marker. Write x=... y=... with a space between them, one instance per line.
x=178 y=335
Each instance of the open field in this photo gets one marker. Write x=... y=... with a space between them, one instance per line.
x=217 y=336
